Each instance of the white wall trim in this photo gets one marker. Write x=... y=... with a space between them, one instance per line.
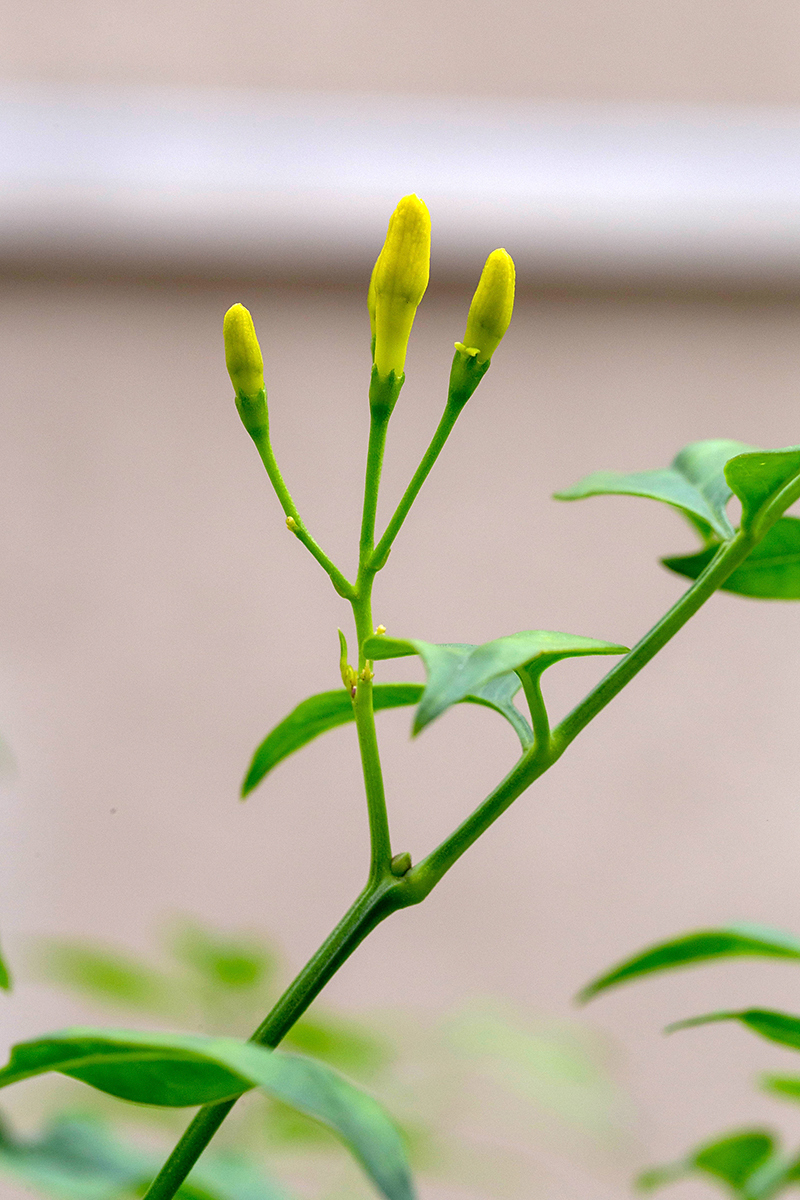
x=220 y=182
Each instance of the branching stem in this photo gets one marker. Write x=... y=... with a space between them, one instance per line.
x=267 y=456
x=384 y=893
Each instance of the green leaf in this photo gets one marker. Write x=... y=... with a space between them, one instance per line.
x=343 y=1044
x=787 y=1086
x=105 y=975
x=456 y=671
x=314 y=716
x=328 y=709
x=735 y=941
x=78 y=1158
x=734 y=1160
x=778 y=1027
x=766 y=482
x=5 y=975
x=770 y=572
x=224 y=960
x=180 y=1070
x=656 y=1177
x=695 y=483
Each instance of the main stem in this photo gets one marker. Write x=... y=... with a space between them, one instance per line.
x=374 y=904
x=380 y=838
x=384 y=893
x=424 y=877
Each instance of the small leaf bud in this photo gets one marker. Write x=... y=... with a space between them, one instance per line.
x=398 y=284
x=401 y=864
x=292 y=525
x=243 y=353
x=381 y=629
x=348 y=673
x=491 y=308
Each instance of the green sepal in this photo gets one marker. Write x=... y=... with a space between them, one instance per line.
x=465 y=375
x=254 y=413
x=183 y=1070
x=383 y=393
x=694 y=483
x=327 y=710
x=779 y=1027
x=706 y=945
x=766 y=482
x=771 y=571
x=456 y=670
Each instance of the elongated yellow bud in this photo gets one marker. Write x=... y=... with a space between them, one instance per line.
x=492 y=306
x=371 y=303
x=398 y=283
x=243 y=353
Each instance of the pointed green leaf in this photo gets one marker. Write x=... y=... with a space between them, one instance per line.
x=5 y=975
x=766 y=482
x=105 y=975
x=786 y=1086
x=703 y=946
x=656 y=1177
x=774 y=1026
x=735 y=1160
x=345 y=1045
x=314 y=716
x=457 y=670
x=78 y=1158
x=181 y=1070
x=328 y=709
x=770 y=572
x=694 y=483
x=223 y=960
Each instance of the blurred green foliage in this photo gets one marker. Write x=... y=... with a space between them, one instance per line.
x=544 y=1088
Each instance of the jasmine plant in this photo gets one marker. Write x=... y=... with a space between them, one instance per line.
x=760 y=557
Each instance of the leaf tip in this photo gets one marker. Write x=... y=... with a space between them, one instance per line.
x=705 y=1019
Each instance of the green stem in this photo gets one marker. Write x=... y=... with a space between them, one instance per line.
x=264 y=446
x=532 y=686
x=534 y=762
x=374 y=904
x=383 y=394
x=729 y=556
x=379 y=835
x=422 y=878
x=378 y=426
x=443 y=431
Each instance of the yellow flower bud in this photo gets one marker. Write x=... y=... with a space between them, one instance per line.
x=243 y=353
x=492 y=305
x=371 y=303
x=398 y=283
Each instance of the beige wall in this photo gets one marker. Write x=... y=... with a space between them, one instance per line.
x=157 y=619
x=693 y=50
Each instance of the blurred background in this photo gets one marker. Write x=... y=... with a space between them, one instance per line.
x=641 y=162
